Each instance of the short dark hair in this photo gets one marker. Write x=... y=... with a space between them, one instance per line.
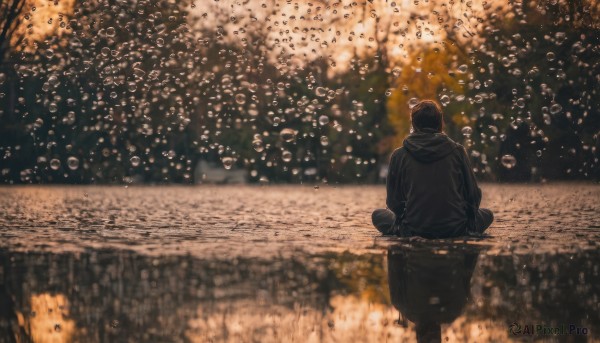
x=427 y=114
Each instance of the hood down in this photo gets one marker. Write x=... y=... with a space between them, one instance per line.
x=429 y=147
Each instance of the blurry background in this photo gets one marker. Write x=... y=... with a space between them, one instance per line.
x=106 y=91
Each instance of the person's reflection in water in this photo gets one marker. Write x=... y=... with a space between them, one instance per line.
x=429 y=289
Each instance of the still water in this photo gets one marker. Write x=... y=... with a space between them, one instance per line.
x=409 y=290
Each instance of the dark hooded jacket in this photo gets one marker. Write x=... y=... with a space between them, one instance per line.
x=431 y=187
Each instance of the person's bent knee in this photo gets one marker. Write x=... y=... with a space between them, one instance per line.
x=383 y=220
x=488 y=217
x=376 y=215
x=489 y=214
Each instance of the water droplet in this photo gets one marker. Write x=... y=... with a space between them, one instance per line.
x=445 y=100
x=257 y=144
x=463 y=68
x=323 y=120
x=324 y=141
x=110 y=32
x=286 y=156
x=550 y=56
x=547 y=119
x=54 y=164
x=139 y=73
x=135 y=161
x=321 y=91
x=52 y=107
x=73 y=163
x=240 y=99
x=227 y=162
x=131 y=86
x=288 y=134
x=467 y=131
x=555 y=108
x=412 y=102
x=508 y=161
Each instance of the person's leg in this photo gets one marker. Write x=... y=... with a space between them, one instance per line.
x=483 y=219
x=383 y=219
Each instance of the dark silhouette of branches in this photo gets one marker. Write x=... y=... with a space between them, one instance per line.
x=10 y=19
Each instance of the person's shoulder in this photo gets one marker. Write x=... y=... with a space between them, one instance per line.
x=398 y=152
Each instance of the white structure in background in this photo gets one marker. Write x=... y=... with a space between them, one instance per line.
x=383 y=173
x=211 y=172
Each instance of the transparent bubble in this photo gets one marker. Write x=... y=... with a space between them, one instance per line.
x=445 y=100
x=110 y=32
x=467 y=131
x=135 y=161
x=413 y=102
x=286 y=156
x=550 y=56
x=227 y=162
x=240 y=99
x=463 y=68
x=53 y=81
x=288 y=134
x=324 y=141
x=54 y=164
x=139 y=73
x=131 y=86
x=321 y=92
x=547 y=119
x=555 y=108
x=73 y=163
x=258 y=146
x=508 y=161
x=323 y=120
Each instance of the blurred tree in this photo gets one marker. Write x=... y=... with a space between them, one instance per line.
x=430 y=73
x=10 y=19
x=537 y=100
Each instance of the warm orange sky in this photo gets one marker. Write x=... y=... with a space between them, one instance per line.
x=336 y=29
x=42 y=18
x=310 y=28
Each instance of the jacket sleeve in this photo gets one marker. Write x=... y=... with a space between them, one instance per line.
x=472 y=192
x=394 y=198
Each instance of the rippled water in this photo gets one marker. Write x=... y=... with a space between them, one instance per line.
x=112 y=285
x=462 y=294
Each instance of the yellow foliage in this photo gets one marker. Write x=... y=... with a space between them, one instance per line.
x=428 y=74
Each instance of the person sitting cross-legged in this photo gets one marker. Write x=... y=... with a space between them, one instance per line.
x=431 y=189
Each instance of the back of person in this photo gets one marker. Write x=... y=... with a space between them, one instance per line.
x=430 y=171
x=431 y=189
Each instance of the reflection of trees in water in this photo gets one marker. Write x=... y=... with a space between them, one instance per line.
x=112 y=295
x=547 y=288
